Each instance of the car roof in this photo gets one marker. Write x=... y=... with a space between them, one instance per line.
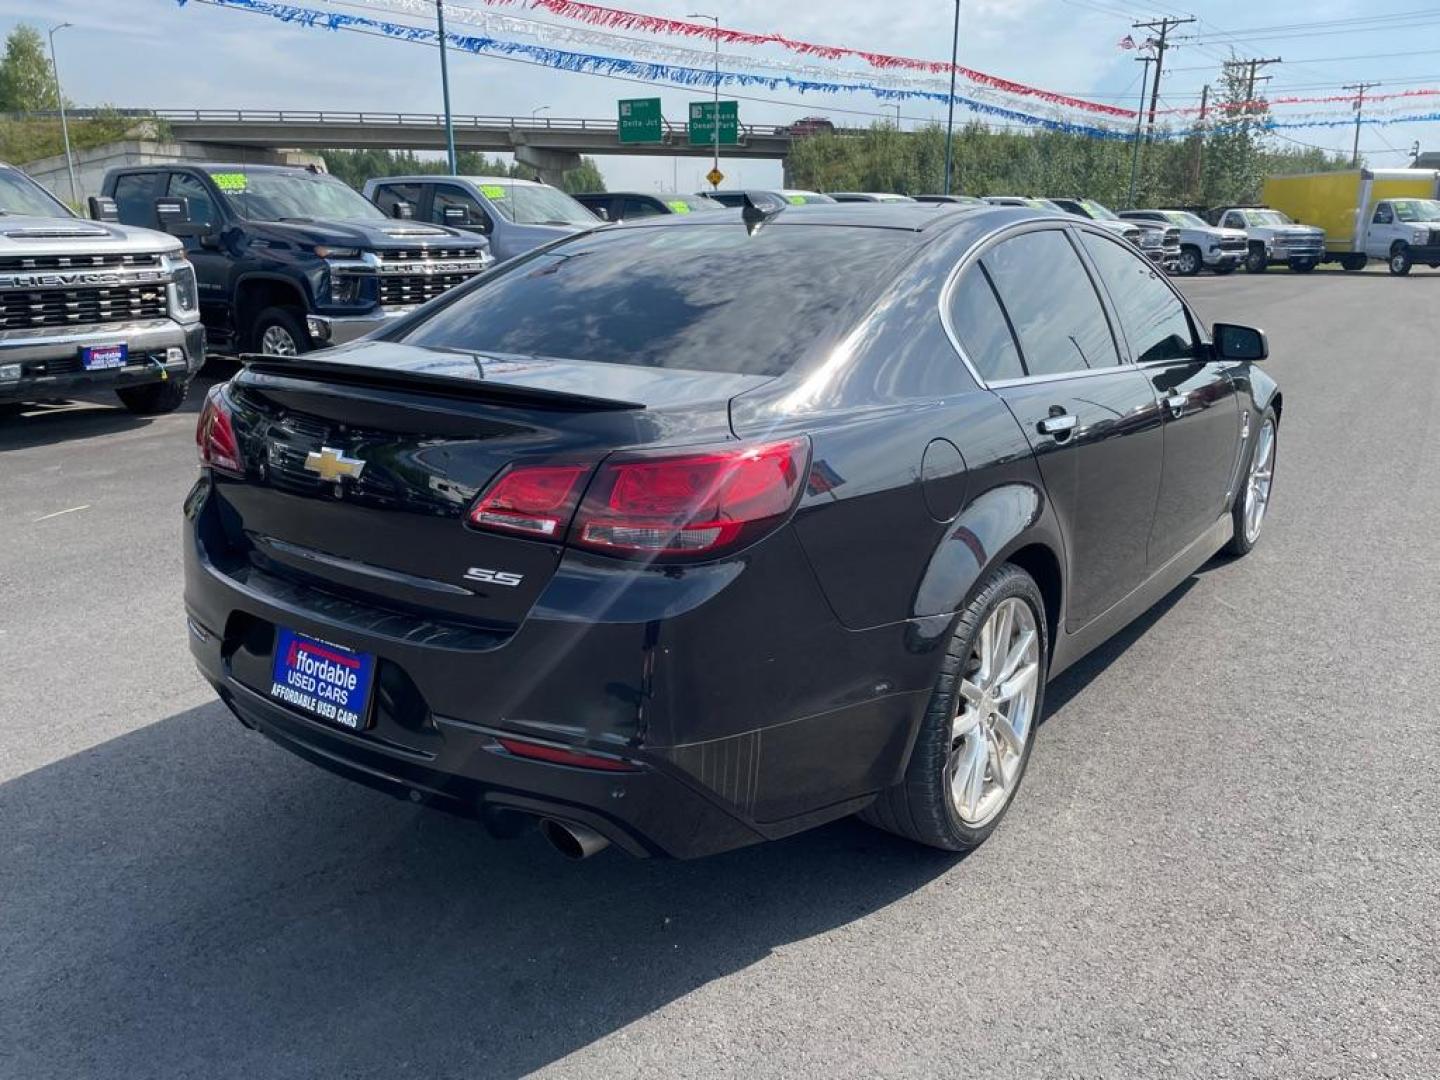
x=446 y=178
x=230 y=166
x=907 y=217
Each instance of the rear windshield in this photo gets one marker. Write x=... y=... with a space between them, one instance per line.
x=703 y=297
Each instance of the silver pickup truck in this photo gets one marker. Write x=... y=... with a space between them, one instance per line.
x=92 y=306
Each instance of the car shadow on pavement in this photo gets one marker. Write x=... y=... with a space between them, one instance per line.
x=188 y=900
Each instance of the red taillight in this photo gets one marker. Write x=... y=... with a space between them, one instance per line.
x=534 y=500
x=557 y=755
x=215 y=434
x=694 y=504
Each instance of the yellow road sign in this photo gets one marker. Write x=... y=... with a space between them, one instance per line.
x=715 y=176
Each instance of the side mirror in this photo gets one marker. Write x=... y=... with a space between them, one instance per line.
x=103 y=208
x=457 y=217
x=402 y=210
x=602 y=212
x=1240 y=343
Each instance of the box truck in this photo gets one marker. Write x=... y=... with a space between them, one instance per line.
x=1390 y=214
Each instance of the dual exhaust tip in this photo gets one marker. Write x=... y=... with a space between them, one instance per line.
x=572 y=840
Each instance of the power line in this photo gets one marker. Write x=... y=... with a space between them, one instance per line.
x=1359 y=89
x=1164 y=25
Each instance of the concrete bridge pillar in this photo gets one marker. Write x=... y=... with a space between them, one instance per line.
x=551 y=165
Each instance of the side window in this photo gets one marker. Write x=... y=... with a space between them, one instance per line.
x=632 y=208
x=979 y=323
x=1152 y=316
x=135 y=200
x=450 y=195
x=1233 y=220
x=1384 y=215
x=387 y=195
x=202 y=207
x=1052 y=303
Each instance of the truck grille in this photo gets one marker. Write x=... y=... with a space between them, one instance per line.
x=22 y=310
x=1233 y=243
x=417 y=288
x=105 y=260
x=421 y=254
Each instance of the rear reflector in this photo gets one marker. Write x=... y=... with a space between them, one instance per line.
x=696 y=504
x=535 y=500
x=215 y=434
x=559 y=756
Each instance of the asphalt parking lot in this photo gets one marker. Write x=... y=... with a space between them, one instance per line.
x=1225 y=860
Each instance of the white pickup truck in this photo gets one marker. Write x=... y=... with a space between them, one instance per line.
x=1403 y=232
x=92 y=306
x=1274 y=239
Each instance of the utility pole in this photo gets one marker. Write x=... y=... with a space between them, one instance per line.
x=950 y=118
x=1251 y=77
x=445 y=90
x=1200 y=141
x=1359 y=89
x=64 y=124
x=716 y=115
x=1139 y=119
x=1163 y=26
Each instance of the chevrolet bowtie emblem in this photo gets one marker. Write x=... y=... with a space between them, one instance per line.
x=333 y=464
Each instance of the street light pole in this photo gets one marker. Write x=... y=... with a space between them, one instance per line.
x=64 y=124
x=897 y=116
x=950 y=119
x=715 y=117
x=445 y=90
x=535 y=112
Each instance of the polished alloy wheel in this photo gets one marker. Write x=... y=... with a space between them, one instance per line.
x=996 y=710
x=1257 y=489
x=276 y=341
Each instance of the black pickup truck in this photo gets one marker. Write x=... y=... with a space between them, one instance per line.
x=289 y=258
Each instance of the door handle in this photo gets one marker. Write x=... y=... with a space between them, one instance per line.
x=1177 y=403
x=1059 y=426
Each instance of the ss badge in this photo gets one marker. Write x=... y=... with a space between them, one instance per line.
x=493 y=577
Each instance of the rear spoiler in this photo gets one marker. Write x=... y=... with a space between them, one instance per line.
x=265 y=368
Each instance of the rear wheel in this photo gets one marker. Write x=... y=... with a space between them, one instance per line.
x=1191 y=262
x=1256 y=261
x=1253 y=500
x=1400 y=260
x=1353 y=263
x=153 y=399
x=975 y=740
x=280 y=332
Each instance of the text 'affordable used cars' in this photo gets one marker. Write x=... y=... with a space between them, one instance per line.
x=702 y=531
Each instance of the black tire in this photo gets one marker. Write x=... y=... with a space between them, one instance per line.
x=1256 y=261
x=1303 y=266
x=1400 y=260
x=154 y=399
x=1191 y=261
x=1221 y=271
x=1353 y=263
x=919 y=807
x=1241 y=542
x=286 y=322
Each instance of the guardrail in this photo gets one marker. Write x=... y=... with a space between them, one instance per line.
x=367 y=118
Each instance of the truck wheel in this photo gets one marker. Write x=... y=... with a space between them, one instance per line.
x=154 y=399
x=1303 y=266
x=1400 y=260
x=1256 y=261
x=280 y=332
x=1353 y=263
x=1191 y=262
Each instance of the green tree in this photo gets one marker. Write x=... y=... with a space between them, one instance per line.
x=586 y=178
x=27 y=83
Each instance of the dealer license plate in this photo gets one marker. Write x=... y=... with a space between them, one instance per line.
x=103 y=357
x=322 y=679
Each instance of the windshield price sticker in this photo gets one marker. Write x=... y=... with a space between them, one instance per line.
x=325 y=680
x=229 y=181
x=796 y=200
x=492 y=191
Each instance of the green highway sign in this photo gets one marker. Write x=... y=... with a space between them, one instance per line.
x=640 y=120
x=702 y=123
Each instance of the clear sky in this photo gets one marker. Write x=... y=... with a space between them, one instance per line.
x=154 y=53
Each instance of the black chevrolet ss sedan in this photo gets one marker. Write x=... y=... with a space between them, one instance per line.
x=703 y=531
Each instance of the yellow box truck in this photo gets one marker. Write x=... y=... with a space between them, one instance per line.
x=1390 y=214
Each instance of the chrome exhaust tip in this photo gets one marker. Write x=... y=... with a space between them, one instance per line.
x=571 y=840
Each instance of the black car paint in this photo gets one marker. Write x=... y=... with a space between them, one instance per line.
x=244 y=252
x=759 y=694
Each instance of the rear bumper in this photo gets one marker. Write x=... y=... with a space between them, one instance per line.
x=40 y=364
x=744 y=720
